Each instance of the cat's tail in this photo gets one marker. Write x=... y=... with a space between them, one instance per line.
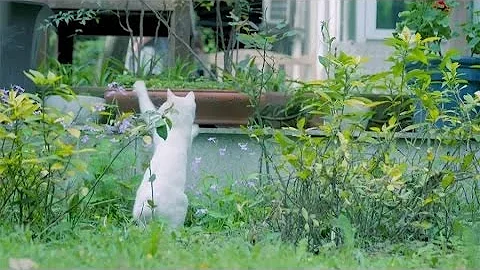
x=195 y=131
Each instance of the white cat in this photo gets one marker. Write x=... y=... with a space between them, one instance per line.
x=163 y=184
x=148 y=110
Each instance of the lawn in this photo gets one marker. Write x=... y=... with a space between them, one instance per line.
x=114 y=247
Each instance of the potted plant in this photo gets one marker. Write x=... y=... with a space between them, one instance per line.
x=226 y=103
x=432 y=19
x=429 y=18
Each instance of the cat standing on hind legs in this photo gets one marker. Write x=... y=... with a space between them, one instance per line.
x=162 y=190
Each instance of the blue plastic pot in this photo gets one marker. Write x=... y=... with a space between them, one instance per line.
x=467 y=71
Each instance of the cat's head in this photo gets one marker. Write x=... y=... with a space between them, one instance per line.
x=180 y=110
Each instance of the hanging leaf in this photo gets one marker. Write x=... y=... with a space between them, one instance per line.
x=467 y=161
x=162 y=131
x=448 y=180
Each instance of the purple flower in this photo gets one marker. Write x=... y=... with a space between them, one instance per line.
x=4 y=95
x=109 y=130
x=99 y=107
x=84 y=139
x=243 y=146
x=88 y=128
x=124 y=125
x=115 y=87
x=222 y=151
x=250 y=184
x=18 y=89
x=212 y=139
x=196 y=165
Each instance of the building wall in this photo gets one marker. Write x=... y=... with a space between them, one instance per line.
x=350 y=22
x=19 y=41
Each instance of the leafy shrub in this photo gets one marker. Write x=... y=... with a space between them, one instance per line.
x=216 y=206
x=374 y=186
x=45 y=177
x=84 y=74
x=38 y=156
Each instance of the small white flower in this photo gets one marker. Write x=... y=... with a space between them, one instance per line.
x=201 y=212
x=222 y=151
x=250 y=184
x=243 y=146
x=197 y=160
x=477 y=94
x=214 y=188
x=99 y=107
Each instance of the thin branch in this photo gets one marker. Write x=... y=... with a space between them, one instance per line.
x=130 y=31
x=142 y=15
x=165 y=22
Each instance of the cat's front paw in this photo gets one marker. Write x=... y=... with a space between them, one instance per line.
x=139 y=86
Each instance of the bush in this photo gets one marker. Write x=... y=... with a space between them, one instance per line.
x=347 y=184
x=45 y=178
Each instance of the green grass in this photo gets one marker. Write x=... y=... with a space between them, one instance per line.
x=133 y=247
x=106 y=239
x=164 y=83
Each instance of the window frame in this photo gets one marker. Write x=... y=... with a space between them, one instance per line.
x=267 y=10
x=371 y=30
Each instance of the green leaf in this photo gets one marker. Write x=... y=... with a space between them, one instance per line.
x=448 y=180
x=392 y=121
x=152 y=178
x=74 y=132
x=4 y=118
x=151 y=204
x=307 y=227
x=168 y=122
x=217 y=215
x=467 y=161
x=304 y=213
x=301 y=123
x=324 y=61
x=162 y=131
x=412 y=127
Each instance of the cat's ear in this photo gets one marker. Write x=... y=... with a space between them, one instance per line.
x=190 y=95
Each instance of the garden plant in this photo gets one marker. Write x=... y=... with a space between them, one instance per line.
x=337 y=195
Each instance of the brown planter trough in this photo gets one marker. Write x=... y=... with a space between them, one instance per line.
x=214 y=107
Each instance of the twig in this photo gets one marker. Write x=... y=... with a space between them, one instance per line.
x=160 y=17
